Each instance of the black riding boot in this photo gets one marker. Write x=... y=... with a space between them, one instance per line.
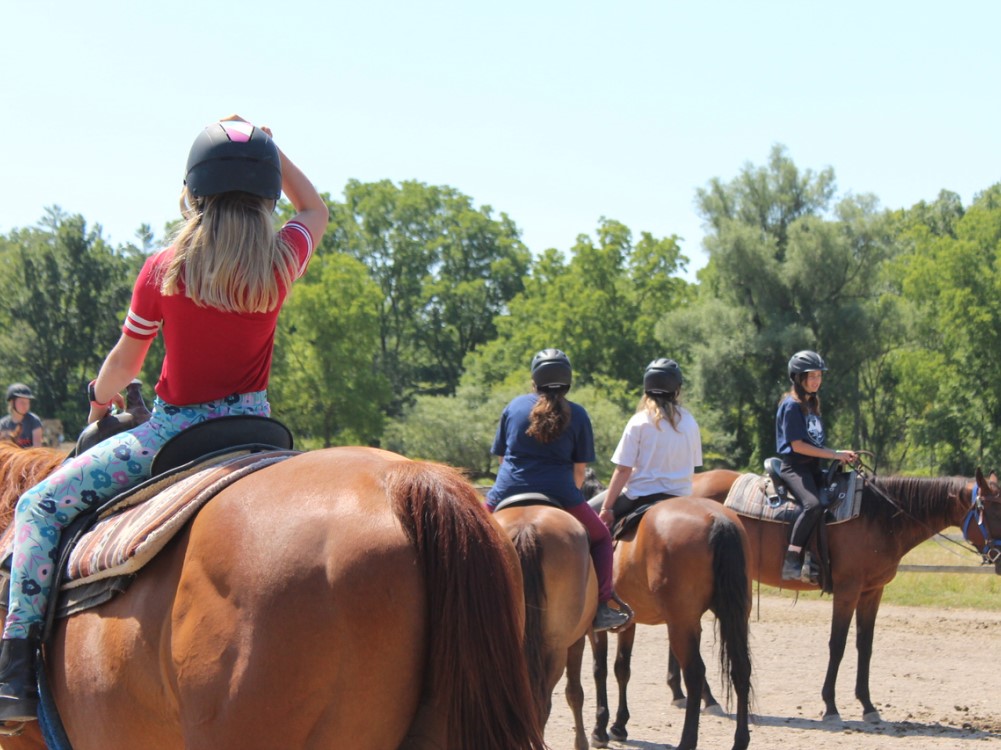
x=18 y=684
x=792 y=566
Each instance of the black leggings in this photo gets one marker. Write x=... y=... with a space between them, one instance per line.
x=802 y=480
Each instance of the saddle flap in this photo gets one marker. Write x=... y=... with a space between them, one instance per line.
x=218 y=434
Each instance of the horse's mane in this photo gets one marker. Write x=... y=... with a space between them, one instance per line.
x=922 y=498
x=21 y=469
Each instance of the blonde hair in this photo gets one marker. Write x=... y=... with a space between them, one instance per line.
x=662 y=407
x=227 y=254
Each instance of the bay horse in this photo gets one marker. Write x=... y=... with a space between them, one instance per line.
x=342 y=596
x=688 y=555
x=561 y=598
x=897 y=514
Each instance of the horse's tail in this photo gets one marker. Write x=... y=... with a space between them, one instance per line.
x=476 y=665
x=526 y=544
x=731 y=602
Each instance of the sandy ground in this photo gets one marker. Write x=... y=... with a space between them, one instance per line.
x=935 y=679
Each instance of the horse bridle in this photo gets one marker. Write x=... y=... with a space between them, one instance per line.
x=991 y=550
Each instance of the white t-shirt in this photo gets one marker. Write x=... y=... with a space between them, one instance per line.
x=662 y=459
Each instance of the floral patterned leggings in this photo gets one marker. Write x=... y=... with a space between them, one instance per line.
x=90 y=479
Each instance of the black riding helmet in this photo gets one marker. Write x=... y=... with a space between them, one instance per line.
x=662 y=376
x=18 y=390
x=805 y=361
x=551 y=370
x=234 y=155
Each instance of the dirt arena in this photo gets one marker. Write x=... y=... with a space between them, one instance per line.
x=935 y=679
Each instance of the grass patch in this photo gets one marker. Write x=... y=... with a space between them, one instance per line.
x=942 y=590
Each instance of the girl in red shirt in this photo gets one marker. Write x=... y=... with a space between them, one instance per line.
x=215 y=294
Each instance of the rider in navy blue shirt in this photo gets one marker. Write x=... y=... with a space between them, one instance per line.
x=545 y=442
x=528 y=465
x=799 y=439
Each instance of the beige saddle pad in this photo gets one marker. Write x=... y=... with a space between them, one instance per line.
x=131 y=532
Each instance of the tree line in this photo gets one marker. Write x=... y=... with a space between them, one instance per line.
x=420 y=313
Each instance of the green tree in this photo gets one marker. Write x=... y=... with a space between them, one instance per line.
x=445 y=270
x=949 y=280
x=326 y=384
x=785 y=272
x=63 y=299
x=600 y=307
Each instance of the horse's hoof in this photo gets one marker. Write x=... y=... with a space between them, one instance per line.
x=831 y=718
x=619 y=735
x=872 y=717
x=680 y=702
x=714 y=710
x=598 y=741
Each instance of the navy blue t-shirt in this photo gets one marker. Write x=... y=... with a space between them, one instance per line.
x=531 y=466
x=792 y=424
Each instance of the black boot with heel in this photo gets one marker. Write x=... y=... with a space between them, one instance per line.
x=792 y=566
x=18 y=684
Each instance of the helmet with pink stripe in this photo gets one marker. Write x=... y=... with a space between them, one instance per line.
x=234 y=156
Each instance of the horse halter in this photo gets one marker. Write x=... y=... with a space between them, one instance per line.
x=991 y=549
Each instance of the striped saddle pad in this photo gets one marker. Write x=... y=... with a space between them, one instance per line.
x=752 y=495
x=138 y=524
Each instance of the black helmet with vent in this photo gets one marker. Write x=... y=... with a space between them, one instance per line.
x=662 y=376
x=805 y=361
x=234 y=155
x=18 y=390
x=551 y=370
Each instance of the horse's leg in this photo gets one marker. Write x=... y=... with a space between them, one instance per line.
x=711 y=705
x=599 y=651
x=575 y=692
x=623 y=671
x=841 y=617
x=865 y=626
x=685 y=646
x=674 y=682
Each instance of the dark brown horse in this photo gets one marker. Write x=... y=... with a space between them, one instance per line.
x=897 y=514
x=687 y=556
x=561 y=596
x=344 y=596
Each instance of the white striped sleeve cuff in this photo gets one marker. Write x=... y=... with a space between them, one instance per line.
x=140 y=326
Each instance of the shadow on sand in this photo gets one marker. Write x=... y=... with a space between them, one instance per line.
x=968 y=731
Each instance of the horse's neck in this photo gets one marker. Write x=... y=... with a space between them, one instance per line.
x=925 y=507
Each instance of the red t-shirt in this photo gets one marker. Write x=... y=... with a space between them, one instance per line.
x=210 y=354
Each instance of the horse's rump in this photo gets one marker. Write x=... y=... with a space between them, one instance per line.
x=323 y=599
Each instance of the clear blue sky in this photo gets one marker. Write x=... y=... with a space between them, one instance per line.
x=556 y=113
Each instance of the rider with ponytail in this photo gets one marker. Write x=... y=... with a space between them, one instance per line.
x=799 y=438
x=215 y=294
x=545 y=442
x=659 y=449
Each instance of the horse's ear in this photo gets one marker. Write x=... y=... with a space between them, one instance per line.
x=985 y=487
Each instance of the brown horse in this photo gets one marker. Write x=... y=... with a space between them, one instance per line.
x=688 y=555
x=561 y=596
x=343 y=596
x=897 y=514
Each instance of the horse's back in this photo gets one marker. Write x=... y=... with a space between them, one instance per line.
x=714 y=484
x=667 y=566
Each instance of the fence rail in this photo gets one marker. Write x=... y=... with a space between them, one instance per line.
x=945 y=569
